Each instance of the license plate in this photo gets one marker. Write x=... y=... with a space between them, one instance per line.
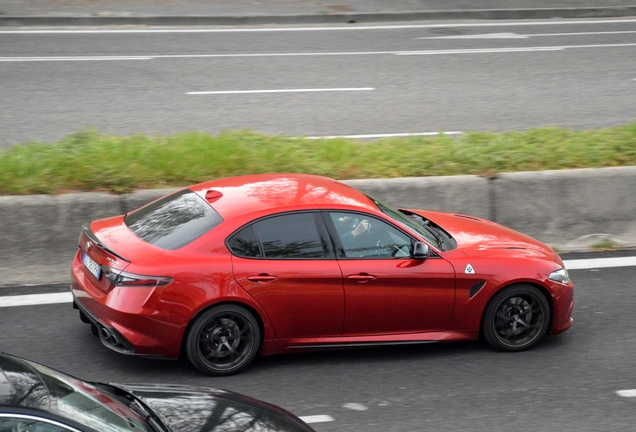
x=92 y=266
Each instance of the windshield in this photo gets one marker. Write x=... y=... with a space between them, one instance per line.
x=86 y=404
x=409 y=223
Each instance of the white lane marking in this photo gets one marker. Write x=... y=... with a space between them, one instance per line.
x=312 y=29
x=317 y=54
x=525 y=36
x=40 y=299
x=35 y=299
x=225 y=92
x=479 y=51
x=197 y=56
x=385 y=135
x=480 y=36
x=504 y=50
x=626 y=393
x=355 y=406
x=317 y=419
x=593 y=263
x=86 y=58
x=581 y=33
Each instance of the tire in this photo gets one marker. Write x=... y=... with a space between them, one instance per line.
x=516 y=318
x=223 y=340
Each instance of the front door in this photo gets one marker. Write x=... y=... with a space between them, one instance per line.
x=386 y=291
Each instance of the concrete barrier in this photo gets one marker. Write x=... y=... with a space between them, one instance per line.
x=569 y=210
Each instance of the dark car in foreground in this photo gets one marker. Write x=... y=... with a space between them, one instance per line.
x=277 y=263
x=35 y=398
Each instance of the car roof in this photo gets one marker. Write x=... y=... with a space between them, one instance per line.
x=19 y=382
x=234 y=196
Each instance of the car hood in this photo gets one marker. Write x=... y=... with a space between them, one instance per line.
x=476 y=236
x=191 y=409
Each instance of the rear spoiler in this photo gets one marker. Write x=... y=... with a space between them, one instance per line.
x=86 y=230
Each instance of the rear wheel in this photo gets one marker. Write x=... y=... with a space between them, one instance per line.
x=516 y=318
x=223 y=340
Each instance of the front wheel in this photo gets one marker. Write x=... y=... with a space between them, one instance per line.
x=223 y=340
x=516 y=318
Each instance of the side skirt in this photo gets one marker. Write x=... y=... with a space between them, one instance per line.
x=281 y=346
x=358 y=345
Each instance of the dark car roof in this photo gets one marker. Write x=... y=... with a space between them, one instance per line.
x=23 y=391
x=171 y=403
x=245 y=194
x=20 y=385
x=5 y=387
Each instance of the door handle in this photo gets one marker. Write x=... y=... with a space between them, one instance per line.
x=362 y=277
x=263 y=277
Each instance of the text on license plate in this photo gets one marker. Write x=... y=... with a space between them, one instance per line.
x=92 y=266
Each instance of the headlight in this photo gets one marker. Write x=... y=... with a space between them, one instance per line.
x=560 y=276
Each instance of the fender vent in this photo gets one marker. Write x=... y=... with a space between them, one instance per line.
x=476 y=288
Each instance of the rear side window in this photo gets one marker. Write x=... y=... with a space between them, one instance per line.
x=244 y=243
x=294 y=235
x=173 y=221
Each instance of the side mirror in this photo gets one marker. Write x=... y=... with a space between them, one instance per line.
x=420 y=250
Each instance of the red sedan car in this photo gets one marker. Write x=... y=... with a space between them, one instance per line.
x=266 y=264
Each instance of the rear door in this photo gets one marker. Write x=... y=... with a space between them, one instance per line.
x=287 y=263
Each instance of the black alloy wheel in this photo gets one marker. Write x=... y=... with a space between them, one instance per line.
x=516 y=318
x=223 y=340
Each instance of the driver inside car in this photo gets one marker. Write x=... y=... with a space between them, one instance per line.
x=349 y=229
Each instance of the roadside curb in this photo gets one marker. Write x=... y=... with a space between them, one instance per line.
x=194 y=20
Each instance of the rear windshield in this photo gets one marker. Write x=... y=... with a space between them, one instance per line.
x=173 y=221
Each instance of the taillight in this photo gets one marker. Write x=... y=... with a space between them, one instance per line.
x=122 y=278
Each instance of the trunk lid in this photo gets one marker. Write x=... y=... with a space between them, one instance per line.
x=109 y=242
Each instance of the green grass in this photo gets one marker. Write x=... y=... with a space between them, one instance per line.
x=605 y=245
x=88 y=161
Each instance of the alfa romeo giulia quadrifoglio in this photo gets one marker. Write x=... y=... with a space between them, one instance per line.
x=226 y=270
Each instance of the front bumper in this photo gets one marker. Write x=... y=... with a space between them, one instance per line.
x=563 y=298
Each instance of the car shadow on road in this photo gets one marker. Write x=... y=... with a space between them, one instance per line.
x=123 y=368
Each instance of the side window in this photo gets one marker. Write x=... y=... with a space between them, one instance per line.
x=245 y=244
x=287 y=236
x=363 y=236
x=17 y=424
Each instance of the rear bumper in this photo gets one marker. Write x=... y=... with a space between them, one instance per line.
x=109 y=336
x=129 y=320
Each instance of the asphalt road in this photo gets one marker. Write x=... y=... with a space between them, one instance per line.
x=567 y=383
x=340 y=80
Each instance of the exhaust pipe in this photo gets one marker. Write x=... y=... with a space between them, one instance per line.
x=109 y=336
